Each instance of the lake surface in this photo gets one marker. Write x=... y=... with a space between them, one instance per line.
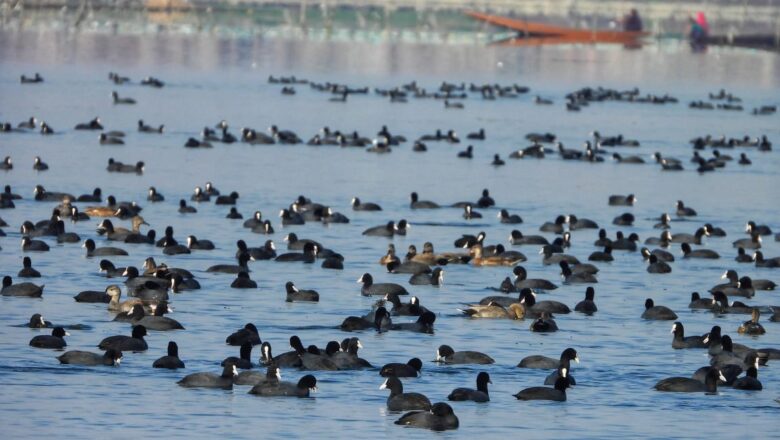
x=210 y=78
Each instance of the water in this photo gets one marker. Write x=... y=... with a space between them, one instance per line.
x=210 y=79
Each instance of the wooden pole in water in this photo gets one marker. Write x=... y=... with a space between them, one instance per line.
x=302 y=16
x=325 y=14
x=777 y=25
x=385 y=15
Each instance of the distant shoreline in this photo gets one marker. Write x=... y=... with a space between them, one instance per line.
x=659 y=17
x=438 y=21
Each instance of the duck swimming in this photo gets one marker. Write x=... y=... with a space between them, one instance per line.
x=688 y=385
x=400 y=401
x=445 y=354
x=557 y=393
x=211 y=380
x=110 y=358
x=20 y=289
x=441 y=417
x=480 y=394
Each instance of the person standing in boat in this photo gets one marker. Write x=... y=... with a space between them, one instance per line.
x=701 y=20
x=697 y=32
x=632 y=22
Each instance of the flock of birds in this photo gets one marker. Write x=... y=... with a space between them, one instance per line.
x=542 y=144
x=149 y=289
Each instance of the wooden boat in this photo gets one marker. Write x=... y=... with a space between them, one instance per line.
x=533 y=33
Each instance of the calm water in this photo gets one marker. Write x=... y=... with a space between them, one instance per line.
x=210 y=79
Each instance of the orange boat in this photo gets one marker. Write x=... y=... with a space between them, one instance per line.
x=539 y=33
